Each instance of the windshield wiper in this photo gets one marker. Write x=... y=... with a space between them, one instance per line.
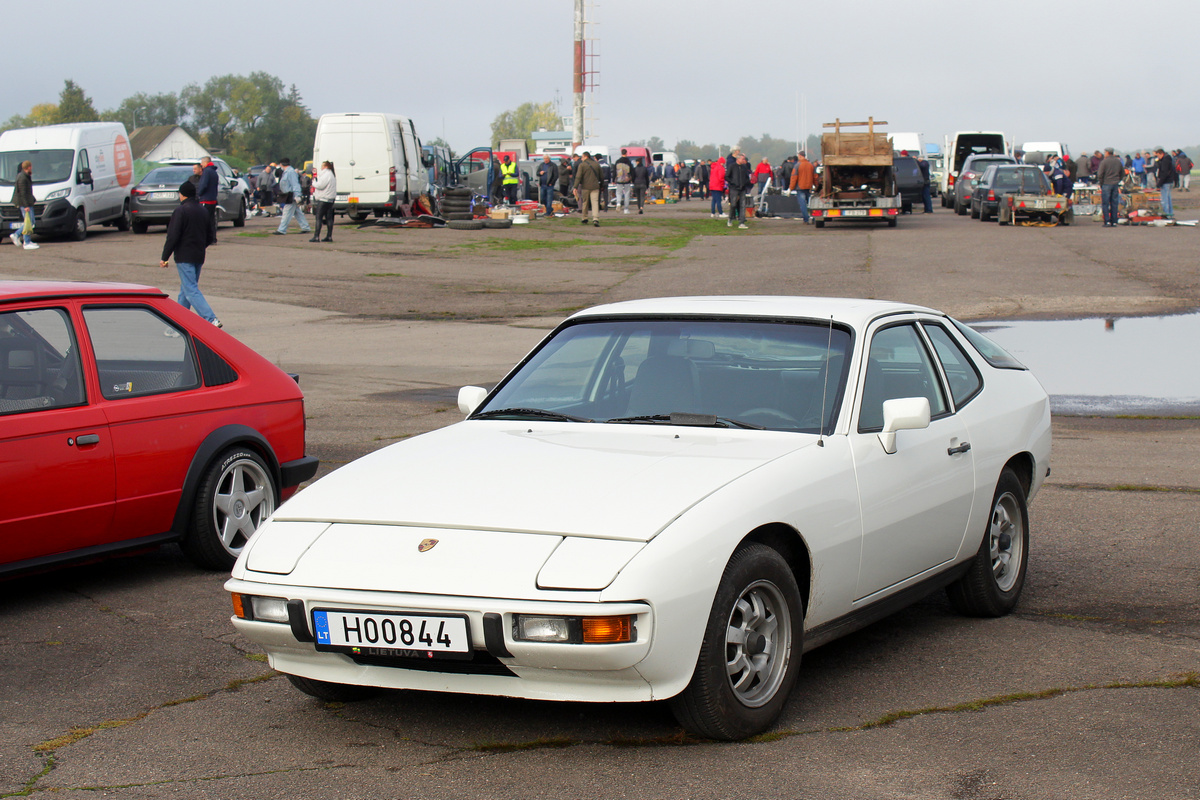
x=537 y=413
x=698 y=420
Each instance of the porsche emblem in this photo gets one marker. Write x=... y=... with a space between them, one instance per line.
x=426 y=545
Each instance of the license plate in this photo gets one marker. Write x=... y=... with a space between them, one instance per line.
x=163 y=195
x=398 y=635
x=855 y=212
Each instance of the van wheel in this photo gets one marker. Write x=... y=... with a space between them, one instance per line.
x=359 y=216
x=125 y=221
x=79 y=232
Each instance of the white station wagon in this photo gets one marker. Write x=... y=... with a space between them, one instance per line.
x=667 y=499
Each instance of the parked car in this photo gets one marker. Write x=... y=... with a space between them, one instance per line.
x=1001 y=179
x=668 y=498
x=156 y=195
x=972 y=170
x=129 y=422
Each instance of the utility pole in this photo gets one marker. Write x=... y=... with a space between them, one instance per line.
x=580 y=81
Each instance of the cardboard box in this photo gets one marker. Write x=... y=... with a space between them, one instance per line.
x=499 y=213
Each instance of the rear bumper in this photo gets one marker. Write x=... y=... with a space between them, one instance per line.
x=294 y=473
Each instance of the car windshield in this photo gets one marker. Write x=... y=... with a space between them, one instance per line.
x=980 y=164
x=736 y=373
x=49 y=166
x=1018 y=178
x=168 y=176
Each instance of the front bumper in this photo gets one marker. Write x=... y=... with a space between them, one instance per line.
x=502 y=666
x=49 y=219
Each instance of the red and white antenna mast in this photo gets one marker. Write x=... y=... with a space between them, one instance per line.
x=585 y=73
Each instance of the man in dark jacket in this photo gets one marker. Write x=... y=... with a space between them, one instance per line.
x=187 y=239
x=206 y=193
x=1165 y=174
x=738 y=181
x=1109 y=174
x=547 y=175
x=23 y=200
x=641 y=182
x=587 y=182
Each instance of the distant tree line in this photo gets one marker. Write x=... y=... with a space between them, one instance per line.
x=252 y=118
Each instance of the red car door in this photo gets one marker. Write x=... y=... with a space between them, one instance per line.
x=57 y=473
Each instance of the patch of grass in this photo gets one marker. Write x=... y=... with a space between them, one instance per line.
x=253 y=235
x=511 y=245
x=517 y=747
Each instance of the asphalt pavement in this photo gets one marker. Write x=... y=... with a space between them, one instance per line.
x=125 y=679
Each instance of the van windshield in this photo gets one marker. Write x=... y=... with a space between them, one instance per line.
x=49 y=166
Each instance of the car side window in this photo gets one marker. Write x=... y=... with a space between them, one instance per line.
x=39 y=361
x=898 y=365
x=139 y=352
x=960 y=372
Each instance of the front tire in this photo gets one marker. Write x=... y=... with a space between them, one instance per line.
x=236 y=495
x=240 y=220
x=750 y=656
x=997 y=574
x=79 y=230
x=332 y=692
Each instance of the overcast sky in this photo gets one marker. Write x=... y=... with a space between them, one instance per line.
x=1091 y=74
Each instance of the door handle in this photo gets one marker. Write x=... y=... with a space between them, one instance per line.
x=962 y=448
x=87 y=438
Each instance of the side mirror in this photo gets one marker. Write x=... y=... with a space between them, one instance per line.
x=470 y=398
x=901 y=414
x=85 y=175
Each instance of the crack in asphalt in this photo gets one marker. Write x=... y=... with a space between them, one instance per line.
x=48 y=750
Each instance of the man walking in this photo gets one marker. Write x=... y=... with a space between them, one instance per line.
x=804 y=176
x=587 y=183
x=1109 y=175
x=1165 y=174
x=738 y=181
x=623 y=178
x=547 y=175
x=206 y=193
x=289 y=198
x=23 y=200
x=641 y=182
x=187 y=239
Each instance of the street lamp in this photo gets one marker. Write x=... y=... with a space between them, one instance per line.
x=139 y=108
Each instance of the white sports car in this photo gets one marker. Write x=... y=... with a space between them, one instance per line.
x=666 y=499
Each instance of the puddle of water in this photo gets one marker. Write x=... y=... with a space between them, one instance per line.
x=1115 y=365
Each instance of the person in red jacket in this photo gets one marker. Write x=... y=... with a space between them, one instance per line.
x=716 y=186
x=762 y=174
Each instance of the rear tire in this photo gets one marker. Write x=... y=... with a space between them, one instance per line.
x=997 y=574
x=236 y=495
x=139 y=227
x=750 y=656
x=960 y=208
x=125 y=221
x=332 y=692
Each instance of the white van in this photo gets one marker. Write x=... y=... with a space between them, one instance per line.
x=82 y=176
x=914 y=143
x=378 y=160
x=967 y=143
x=1038 y=152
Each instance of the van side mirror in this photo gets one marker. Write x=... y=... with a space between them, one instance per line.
x=427 y=160
x=902 y=414
x=85 y=175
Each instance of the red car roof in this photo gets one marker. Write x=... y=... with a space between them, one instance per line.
x=13 y=291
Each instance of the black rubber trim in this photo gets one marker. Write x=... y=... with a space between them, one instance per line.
x=493 y=635
x=299 y=621
x=294 y=473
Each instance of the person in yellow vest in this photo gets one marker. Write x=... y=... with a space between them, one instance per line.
x=509 y=182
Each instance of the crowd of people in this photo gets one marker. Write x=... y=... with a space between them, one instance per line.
x=730 y=184
x=1154 y=170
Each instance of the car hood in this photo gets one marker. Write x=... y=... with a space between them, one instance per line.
x=623 y=482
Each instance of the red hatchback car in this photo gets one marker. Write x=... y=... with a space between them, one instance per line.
x=127 y=422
